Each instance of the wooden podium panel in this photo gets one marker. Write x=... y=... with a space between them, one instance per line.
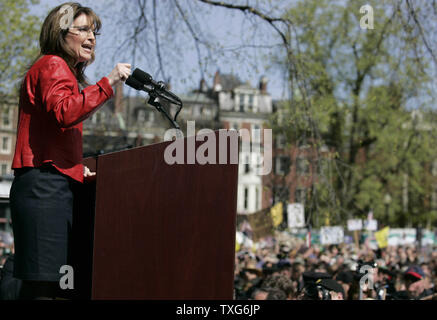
x=163 y=231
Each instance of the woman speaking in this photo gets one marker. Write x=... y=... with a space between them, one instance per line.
x=48 y=153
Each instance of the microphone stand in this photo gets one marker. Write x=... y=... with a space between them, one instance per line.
x=153 y=100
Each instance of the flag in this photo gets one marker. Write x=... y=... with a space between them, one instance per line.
x=276 y=213
x=382 y=237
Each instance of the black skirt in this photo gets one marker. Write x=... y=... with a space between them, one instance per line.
x=42 y=212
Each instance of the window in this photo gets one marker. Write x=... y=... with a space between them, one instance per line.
x=6 y=121
x=300 y=195
x=5 y=144
x=4 y=169
x=302 y=166
x=100 y=116
x=206 y=111
x=246 y=198
x=282 y=164
x=241 y=102
x=151 y=116
x=247 y=165
x=280 y=141
x=250 y=105
x=256 y=133
x=280 y=193
x=196 y=111
x=257 y=199
x=141 y=116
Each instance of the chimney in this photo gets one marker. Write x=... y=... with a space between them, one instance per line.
x=118 y=98
x=203 y=87
x=217 y=85
x=263 y=85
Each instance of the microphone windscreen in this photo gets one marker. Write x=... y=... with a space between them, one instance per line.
x=142 y=76
x=134 y=83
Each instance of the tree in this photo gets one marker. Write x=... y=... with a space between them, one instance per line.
x=18 y=44
x=353 y=89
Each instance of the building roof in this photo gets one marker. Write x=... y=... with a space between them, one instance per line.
x=229 y=82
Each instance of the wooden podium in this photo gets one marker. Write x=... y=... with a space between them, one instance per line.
x=149 y=230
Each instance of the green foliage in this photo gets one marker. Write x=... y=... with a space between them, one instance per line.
x=18 y=42
x=352 y=88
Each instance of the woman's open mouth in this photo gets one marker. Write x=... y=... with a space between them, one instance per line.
x=87 y=48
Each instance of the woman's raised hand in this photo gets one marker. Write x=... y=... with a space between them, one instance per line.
x=120 y=73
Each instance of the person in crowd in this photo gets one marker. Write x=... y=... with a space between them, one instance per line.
x=280 y=282
x=10 y=287
x=345 y=279
x=416 y=284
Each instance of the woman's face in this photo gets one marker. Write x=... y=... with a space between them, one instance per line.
x=80 y=38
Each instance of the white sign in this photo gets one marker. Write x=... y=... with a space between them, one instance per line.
x=371 y=225
x=354 y=224
x=428 y=238
x=399 y=237
x=296 y=216
x=331 y=235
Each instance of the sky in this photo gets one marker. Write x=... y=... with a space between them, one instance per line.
x=222 y=24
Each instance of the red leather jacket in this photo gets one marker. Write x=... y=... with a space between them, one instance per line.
x=51 y=111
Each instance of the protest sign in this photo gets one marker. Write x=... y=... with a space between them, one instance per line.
x=354 y=224
x=331 y=235
x=371 y=225
x=261 y=223
x=295 y=215
x=399 y=237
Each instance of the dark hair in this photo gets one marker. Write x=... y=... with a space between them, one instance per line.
x=280 y=282
x=275 y=294
x=52 y=37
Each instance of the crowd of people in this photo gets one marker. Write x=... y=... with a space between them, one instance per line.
x=291 y=270
x=295 y=271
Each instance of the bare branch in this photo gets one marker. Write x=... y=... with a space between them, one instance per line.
x=419 y=27
x=158 y=50
x=194 y=35
x=270 y=20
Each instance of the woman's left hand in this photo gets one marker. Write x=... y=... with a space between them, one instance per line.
x=87 y=172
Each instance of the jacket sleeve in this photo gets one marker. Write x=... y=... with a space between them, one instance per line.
x=57 y=89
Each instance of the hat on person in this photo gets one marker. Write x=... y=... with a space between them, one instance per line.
x=415 y=272
x=283 y=263
x=385 y=270
x=252 y=268
x=270 y=270
x=345 y=277
x=312 y=277
x=331 y=285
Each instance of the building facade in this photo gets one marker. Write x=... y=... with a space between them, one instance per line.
x=229 y=103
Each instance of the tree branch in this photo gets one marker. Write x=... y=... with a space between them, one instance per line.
x=255 y=12
x=419 y=26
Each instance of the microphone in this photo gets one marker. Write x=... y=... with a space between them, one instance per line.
x=140 y=80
